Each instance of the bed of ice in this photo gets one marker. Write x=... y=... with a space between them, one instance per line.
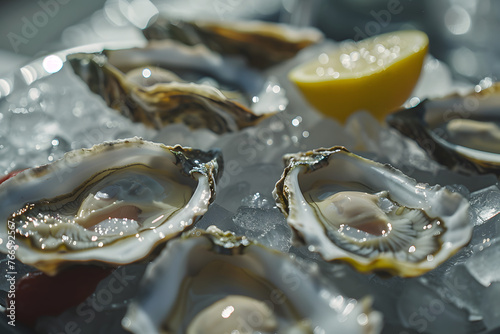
x=43 y=116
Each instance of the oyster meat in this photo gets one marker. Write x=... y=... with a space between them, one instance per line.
x=141 y=84
x=113 y=203
x=263 y=44
x=460 y=132
x=215 y=282
x=370 y=215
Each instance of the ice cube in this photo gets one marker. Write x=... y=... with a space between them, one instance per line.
x=435 y=81
x=271 y=98
x=490 y=307
x=279 y=237
x=5 y=327
x=424 y=311
x=264 y=143
x=180 y=134
x=7 y=265
x=265 y=225
x=257 y=201
x=58 y=147
x=103 y=310
x=325 y=133
x=472 y=182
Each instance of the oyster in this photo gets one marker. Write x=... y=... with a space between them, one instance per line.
x=141 y=85
x=263 y=44
x=460 y=132
x=113 y=203
x=370 y=215
x=214 y=282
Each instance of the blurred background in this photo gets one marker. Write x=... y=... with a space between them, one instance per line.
x=463 y=33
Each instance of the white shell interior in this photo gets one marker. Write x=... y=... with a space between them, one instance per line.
x=348 y=170
x=166 y=290
x=74 y=169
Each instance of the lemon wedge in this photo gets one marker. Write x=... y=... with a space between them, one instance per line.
x=376 y=74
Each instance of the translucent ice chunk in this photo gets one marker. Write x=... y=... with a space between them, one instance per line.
x=491 y=307
x=218 y=216
x=485 y=203
x=272 y=98
x=8 y=155
x=455 y=285
x=7 y=265
x=103 y=310
x=182 y=135
x=258 y=201
x=369 y=135
x=484 y=232
x=484 y=264
x=264 y=143
x=117 y=226
x=435 y=81
x=265 y=226
x=240 y=180
x=278 y=238
x=53 y=115
x=261 y=220
x=58 y=146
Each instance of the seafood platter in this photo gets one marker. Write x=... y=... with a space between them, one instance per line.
x=248 y=177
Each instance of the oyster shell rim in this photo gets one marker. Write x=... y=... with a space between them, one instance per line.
x=308 y=162
x=144 y=103
x=220 y=36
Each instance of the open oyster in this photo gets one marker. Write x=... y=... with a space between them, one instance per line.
x=214 y=282
x=370 y=215
x=460 y=132
x=155 y=85
x=112 y=203
x=263 y=44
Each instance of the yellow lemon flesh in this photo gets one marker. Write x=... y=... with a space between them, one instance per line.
x=377 y=74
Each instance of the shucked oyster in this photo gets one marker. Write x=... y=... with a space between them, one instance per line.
x=371 y=215
x=146 y=86
x=460 y=132
x=213 y=283
x=112 y=203
x=262 y=43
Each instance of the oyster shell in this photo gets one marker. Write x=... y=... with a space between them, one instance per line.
x=460 y=132
x=263 y=44
x=161 y=97
x=214 y=282
x=113 y=203
x=370 y=215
